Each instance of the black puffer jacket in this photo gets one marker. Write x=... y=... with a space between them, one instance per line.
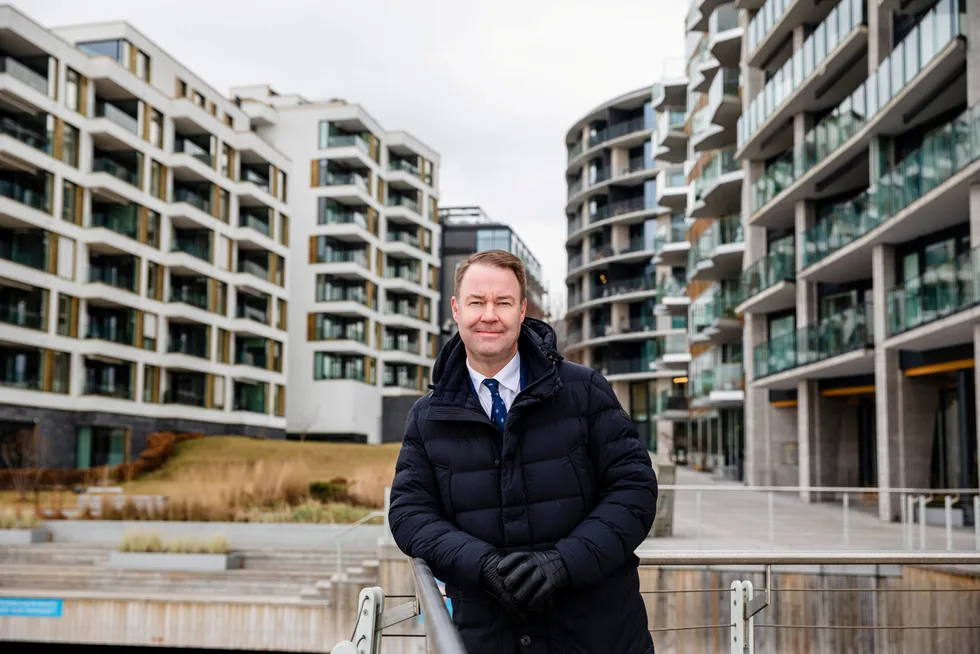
x=569 y=472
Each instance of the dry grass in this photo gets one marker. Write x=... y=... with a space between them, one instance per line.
x=148 y=542
x=11 y=518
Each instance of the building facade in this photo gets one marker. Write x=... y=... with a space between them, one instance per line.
x=143 y=246
x=365 y=271
x=621 y=315
x=468 y=230
x=859 y=147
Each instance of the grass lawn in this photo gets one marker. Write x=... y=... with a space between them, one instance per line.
x=248 y=475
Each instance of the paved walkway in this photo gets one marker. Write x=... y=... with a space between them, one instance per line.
x=740 y=521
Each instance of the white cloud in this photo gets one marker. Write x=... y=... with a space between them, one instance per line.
x=492 y=86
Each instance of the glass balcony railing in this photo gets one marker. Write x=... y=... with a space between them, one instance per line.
x=413 y=275
x=929 y=37
x=718 y=303
x=342 y=256
x=575 y=224
x=20 y=315
x=30 y=77
x=403 y=237
x=189 y=346
x=120 y=219
x=192 y=198
x=116 y=331
x=189 y=295
x=342 y=217
x=674 y=178
x=938 y=292
x=669 y=401
x=674 y=232
x=616 y=130
x=249 y=312
x=348 y=141
x=627 y=366
x=251 y=358
x=253 y=268
x=403 y=201
x=258 y=179
x=670 y=120
x=809 y=59
x=24 y=195
x=576 y=150
x=259 y=224
x=766 y=272
x=764 y=20
x=186 y=146
x=716 y=377
x=401 y=345
x=112 y=276
x=105 y=389
x=722 y=19
x=116 y=115
x=722 y=163
x=347 y=179
x=27 y=249
x=670 y=287
x=943 y=153
x=727 y=83
x=106 y=165
x=404 y=166
x=844 y=332
x=192 y=247
x=185 y=397
x=36 y=138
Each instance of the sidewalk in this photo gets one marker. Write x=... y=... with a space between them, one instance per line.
x=740 y=521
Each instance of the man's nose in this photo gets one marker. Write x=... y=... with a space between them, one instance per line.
x=489 y=312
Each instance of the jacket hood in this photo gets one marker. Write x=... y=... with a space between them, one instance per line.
x=535 y=334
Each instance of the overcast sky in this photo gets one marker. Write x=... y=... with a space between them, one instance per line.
x=492 y=85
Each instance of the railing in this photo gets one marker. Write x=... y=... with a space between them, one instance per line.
x=112 y=277
x=413 y=275
x=23 y=73
x=184 y=397
x=401 y=165
x=616 y=130
x=342 y=256
x=722 y=163
x=766 y=272
x=334 y=217
x=193 y=199
x=189 y=295
x=668 y=401
x=349 y=140
x=943 y=153
x=117 y=170
x=847 y=331
x=912 y=505
x=767 y=17
x=189 y=147
x=108 y=110
x=105 y=329
x=722 y=19
x=403 y=237
x=256 y=178
x=836 y=28
x=441 y=636
x=177 y=345
x=402 y=201
x=344 y=179
x=192 y=247
x=261 y=225
x=24 y=195
x=108 y=390
x=122 y=220
x=938 y=292
x=669 y=233
x=249 y=312
x=670 y=287
x=253 y=268
x=669 y=121
x=21 y=316
x=929 y=37
x=36 y=139
x=726 y=83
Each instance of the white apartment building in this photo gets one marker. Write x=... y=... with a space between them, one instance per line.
x=364 y=293
x=144 y=243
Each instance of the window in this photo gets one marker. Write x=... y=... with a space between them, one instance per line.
x=227 y=161
x=153 y=281
x=70 y=206
x=67 y=316
x=281 y=318
x=153 y=228
x=112 y=48
x=69 y=146
x=324 y=132
x=100 y=446
x=151 y=383
x=341 y=366
x=282 y=185
x=142 y=66
x=181 y=88
x=61 y=376
x=493 y=239
x=224 y=205
x=157 y=173
x=198 y=99
x=224 y=346
x=284 y=229
x=73 y=91
x=156 y=128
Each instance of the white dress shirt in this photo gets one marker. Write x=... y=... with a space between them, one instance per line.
x=508 y=384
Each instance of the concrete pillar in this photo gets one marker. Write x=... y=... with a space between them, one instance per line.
x=810 y=451
x=879 y=34
x=976 y=393
x=783 y=468
x=806 y=295
x=972 y=54
x=975 y=215
x=758 y=452
x=887 y=378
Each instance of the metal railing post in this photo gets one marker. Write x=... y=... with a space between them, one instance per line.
x=847 y=502
x=910 y=502
x=697 y=515
x=772 y=520
x=922 y=522
x=948 y=518
x=976 y=522
x=904 y=513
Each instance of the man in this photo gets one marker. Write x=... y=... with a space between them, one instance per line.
x=523 y=483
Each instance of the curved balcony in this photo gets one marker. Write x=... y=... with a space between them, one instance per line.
x=892 y=100
x=670 y=244
x=713 y=318
x=925 y=192
x=634 y=174
x=827 y=54
x=769 y=284
x=635 y=251
x=631 y=211
x=636 y=329
x=718 y=192
x=840 y=345
x=632 y=369
x=717 y=254
x=632 y=289
x=627 y=133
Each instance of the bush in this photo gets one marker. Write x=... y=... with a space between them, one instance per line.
x=334 y=490
x=10 y=519
x=159 y=447
x=147 y=542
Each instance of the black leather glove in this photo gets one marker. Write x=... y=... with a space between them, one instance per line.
x=493 y=583
x=533 y=576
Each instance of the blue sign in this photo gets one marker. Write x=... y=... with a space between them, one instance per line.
x=29 y=607
x=449 y=603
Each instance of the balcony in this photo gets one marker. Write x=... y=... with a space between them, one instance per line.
x=194 y=293
x=717 y=254
x=724 y=109
x=769 y=284
x=670 y=243
x=256 y=222
x=349 y=178
x=630 y=368
x=28 y=190
x=257 y=176
x=944 y=290
x=30 y=132
x=670 y=139
x=725 y=36
x=196 y=147
x=342 y=256
x=349 y=141
x=119 y=272
x=672 y=189
x=107 y=388
x=27 y=75
x=720 y=385
x=339 y=291
x=671 y=298
x=254 y=309
x=185 y=339
x=331 y=212
x=249 y=396
x=404 y=201
x=945 y=154
x=116 y=115
x=112 y=325
x=23 y=308
x=672 y=406
x=186 y=388
x=401 y=343
x=255 y=266
x=196 y=243
x=718 y=192
x=713 y=318
x=411 y=274
x=827 y=54
x=122 y=219
x=104 y=164
x=848 y=334
x=27 y=247
x=251 y=352
x=193 y=198
x=401 y=376
x=892 y=100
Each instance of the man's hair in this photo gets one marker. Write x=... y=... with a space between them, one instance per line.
x=495 y=259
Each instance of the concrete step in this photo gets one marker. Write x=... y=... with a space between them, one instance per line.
x=54 y=554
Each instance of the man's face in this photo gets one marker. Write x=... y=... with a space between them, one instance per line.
x=489 y=311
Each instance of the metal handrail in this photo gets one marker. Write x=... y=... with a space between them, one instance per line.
x=744 y=557
x=854 y=490
x=441 y=636
x=338 y=538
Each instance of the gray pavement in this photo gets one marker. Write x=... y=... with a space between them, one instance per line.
x=740 y=521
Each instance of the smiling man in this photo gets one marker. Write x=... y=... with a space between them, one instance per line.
x=523 y=483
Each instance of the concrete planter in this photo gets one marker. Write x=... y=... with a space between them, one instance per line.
x=166 y=562
x=23 y=536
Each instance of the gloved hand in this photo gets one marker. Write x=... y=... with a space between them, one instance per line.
x=533 y=576
x=493 y=583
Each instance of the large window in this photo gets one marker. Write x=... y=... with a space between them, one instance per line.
x=493 y=239
x=117 y=49
x=73 y=91
x=100 y=446
x=342 y=366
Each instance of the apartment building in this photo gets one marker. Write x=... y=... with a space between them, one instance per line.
x=619 y=317
x=468 y=230
x=859 y=143
x=713 y=179
x=143 y=248
x=365 y=271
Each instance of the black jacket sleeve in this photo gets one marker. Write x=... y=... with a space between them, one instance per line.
x=416 y=520
x=627 y=492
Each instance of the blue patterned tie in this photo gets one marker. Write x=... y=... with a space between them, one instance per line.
x=499 y=410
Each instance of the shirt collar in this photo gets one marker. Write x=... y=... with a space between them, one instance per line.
x=509 y=377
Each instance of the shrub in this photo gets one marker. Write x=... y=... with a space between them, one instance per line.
x=334 y=490
x=27 y=519
x=147 y=542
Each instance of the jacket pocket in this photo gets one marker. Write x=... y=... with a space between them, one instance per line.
x=578 y=459
x=444 y=480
